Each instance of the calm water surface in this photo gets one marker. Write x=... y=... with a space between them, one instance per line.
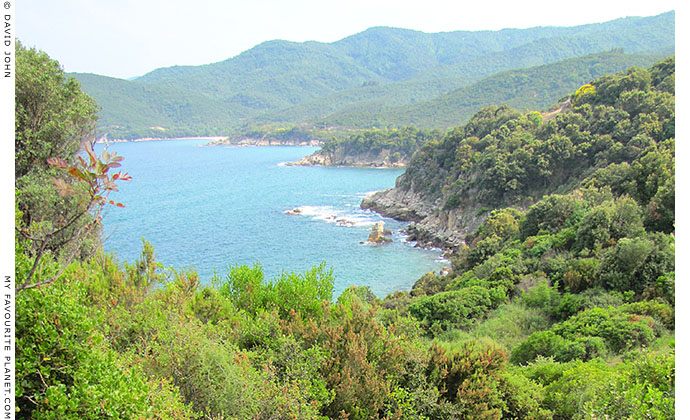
x=209 y=208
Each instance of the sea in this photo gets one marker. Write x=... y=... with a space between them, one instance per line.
x=210 y=208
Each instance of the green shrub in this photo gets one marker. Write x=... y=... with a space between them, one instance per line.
x=483 y=249
x=595 y=332
x=579 y=382
x=656 y=309
x=476 y=380
x=453 y=309
x=543 y=343
x=636 y=264
x=65 y=369
x=620 y=330
x=568 y=306
x=550 y=214
x=363 y=360
x=581 y=274
x=542 y=296
x=644 y=389
x=429 y=284
x=304 y=293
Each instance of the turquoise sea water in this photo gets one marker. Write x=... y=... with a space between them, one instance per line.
x=209 y=208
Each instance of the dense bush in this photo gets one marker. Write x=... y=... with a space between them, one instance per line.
x=639 y=388
x=476 y=378
x=453 y=309
x=303 y=293
x=644 y=389
x=65 y=369
x=594 y=332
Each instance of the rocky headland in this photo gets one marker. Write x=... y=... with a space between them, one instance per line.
x=339 y=157
x=430 y=226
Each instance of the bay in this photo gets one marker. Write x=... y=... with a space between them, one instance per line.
x=210 y=208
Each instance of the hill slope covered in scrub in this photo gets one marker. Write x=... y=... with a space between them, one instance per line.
x=502 y=157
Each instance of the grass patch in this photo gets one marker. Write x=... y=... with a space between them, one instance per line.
x=507 y=326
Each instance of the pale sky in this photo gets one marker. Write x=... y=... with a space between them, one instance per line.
x=125 y=38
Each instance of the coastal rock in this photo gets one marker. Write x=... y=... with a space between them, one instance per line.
x=315 y=159
x=399 y=205
x=378 y=234
x=431 y=226
x=345 y=222
x=338 y=157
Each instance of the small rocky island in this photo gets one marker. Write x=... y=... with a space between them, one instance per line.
x=379 y=235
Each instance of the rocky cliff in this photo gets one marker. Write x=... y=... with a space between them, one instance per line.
x=430 y=225
x=341 y=157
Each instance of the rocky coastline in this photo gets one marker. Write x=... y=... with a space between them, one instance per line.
x=380 y=159
x=265 y=142
x=430 y=226
x=212 y=138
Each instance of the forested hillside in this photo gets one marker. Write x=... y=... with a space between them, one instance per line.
x=502 y=157
x=576 y=217
x=560 y=305
x=533 y=88
x=280 y=81
x=154 y=111
x=378 y=148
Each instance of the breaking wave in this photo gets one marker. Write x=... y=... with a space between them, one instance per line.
x=330 y=214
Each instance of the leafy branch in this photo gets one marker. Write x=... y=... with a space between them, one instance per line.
x=91 y=181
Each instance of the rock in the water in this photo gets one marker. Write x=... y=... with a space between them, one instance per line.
x=344 y=222
x=445 y=229
x=378 y=234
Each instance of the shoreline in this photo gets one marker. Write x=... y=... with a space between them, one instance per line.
x=250 y=141
x=212 y=138
x=364 y=166
x=329 y=159
x=428 y=228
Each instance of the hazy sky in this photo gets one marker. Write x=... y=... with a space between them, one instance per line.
x=125 y=38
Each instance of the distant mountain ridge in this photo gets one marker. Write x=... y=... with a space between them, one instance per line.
x=532 y=88
x=275 y=76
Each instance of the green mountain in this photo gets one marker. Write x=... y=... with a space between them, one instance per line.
x=133 y=109
x=390 y=65
x=533 y=88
